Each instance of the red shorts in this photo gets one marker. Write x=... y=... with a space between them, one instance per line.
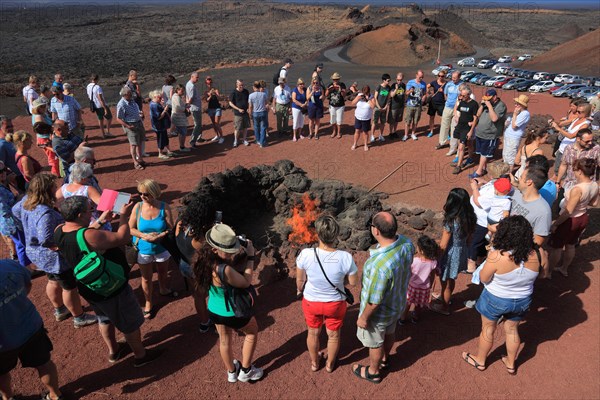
x=568 y=232
x=418 y=297
x=332 y=313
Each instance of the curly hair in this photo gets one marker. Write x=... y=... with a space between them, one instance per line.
x=428 y=247
x=459 y=209
x=514 y=234
x=197 y=212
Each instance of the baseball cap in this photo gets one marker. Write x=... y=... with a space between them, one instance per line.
x=491 y=92
x=502 y=185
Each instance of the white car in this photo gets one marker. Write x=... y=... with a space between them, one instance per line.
x=440 y=69
x=505 y=59
x=485 y=64
x=466 y=62
x=490 y=82
x=525 y=57
x=496 y=68
x=566 y=78
x=539 y=75
x=542 y=86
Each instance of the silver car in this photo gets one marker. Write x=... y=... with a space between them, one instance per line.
x=466 y=62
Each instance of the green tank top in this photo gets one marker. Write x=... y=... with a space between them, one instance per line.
x=216 y=302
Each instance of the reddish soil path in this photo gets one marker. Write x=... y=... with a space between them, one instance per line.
x=560 y=354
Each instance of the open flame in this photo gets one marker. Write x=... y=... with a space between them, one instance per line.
x=301 y=221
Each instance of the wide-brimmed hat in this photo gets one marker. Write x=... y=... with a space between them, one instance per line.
x=40 y=101
x=522 y=100
x=223 y=238
x=336 y=76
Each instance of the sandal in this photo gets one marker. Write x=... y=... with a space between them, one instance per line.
x=511 y=371
x=148 y=314
x=171 y=293
x=373 y=378
x=384 y=364
x=468 y=358
x=138 y=166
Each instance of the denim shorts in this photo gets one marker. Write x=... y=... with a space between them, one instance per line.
x=186 y=269
x=214 y=112
x=493 y=307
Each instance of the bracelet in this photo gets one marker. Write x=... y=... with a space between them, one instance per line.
x=100 y=222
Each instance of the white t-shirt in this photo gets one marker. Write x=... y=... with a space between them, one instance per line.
x=282 y=96
x=482 y=213
x=97 y=90
x=363 y=111
x=522 y=121
x=572 y=128
x=497 y=205
x=337 y=264
x=30 y=94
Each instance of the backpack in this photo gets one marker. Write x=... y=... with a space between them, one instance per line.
x=276 y=76
x=238 y=300
x=101 y=276
x=92 y=104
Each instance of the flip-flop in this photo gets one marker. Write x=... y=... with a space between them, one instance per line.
x=368 y=377
x=148 y=314
x=511 y=371
x=475 y=364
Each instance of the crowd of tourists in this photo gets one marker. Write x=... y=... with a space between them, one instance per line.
x=503 y=232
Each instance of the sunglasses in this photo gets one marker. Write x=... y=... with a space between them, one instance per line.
x=580 y=111
x=441 y=76
x=143 y=194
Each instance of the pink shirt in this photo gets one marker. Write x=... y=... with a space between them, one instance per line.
x=420 y=271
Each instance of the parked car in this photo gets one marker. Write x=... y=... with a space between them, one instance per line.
x=466 y=62
x=512 y=83
x=591 y=97
x=597 y=83
x=482 y=79
x=542 y=86
x=529 y=75
x=484 y=64
x=441 y=68
x=490 y=82
x=562 y=92
x=587 y=92
x=525 y=57
x=524 y=86
x=496 y=67
x=555 y=88
x=566 y=78
x=576 y=92
x=505 y=59
x=540 y=75
x=547 y=76
x=503 y=69
x=467 y=74
x=503 y=82
x=474 y=78
x=515 y=72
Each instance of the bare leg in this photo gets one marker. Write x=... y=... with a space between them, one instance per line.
x=333 y=347
x=147 y=272
x=133 y=150
x=554 y=259
x=162 y=270
x=513 y=342
x=356 y=136
x=49 y=377
x=225 y=346
x=199 y=303
x=101 y=122
x=375 y=357
x=568 y=257
x=134 y=340
x=107 y=331
x=108 y=123
x=317 y=126
x=251 y=331
x=482 y=165
x=461 y=152
x=447 y=289
x=54 y=293
x=312 y=342
x=431 y=122
x=73 y=302
x=388 y=343
x=486 y=341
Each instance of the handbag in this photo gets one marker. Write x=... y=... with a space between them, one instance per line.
x=346 y=293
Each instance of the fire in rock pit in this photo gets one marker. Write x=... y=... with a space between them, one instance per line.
x=303 y=217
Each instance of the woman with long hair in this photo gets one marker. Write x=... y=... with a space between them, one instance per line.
x=533 y=146
x=363 y=114
x=573 y=217
x=150 y=221
x=323 y=304
x=223 y=252
x=569 y=132
x=39 y=219
x=508 y=274
x=459 y=223
x=28 y=165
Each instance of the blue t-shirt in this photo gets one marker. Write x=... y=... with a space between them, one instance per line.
x=20 y=319
x=451 y=92
x=414 y=99
x=548 y=192
x=7 y=156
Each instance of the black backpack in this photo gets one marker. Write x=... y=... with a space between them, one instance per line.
x=276 y=76
x=238 y=300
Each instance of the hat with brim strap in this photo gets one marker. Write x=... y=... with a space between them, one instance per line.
x=222 y=237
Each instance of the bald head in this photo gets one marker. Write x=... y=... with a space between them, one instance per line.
x=60 y=128
x=419 y=75
x=386 y=223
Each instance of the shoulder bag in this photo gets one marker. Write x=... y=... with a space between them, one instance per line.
x=346 y=293
x=92 y=103
x=238 y=300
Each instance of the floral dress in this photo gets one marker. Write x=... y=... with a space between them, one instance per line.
x=454 y=259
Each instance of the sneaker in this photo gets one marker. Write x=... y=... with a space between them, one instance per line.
x=414 y=137
x=372 y=138
x=122 y=349
x=475 y=175
x=60 y=314
x=451 y=153
x=203 y=328
x=381 y=139
x=84 y=320
x=232 y=377
x=214 y=139
x=150 y=356
x=185 y=149
x=430 y=134
x=253 y=375
x=404 y=138
x=488 y=237
x=456 y=170
x=163 y=156
x=235 y=144
x=246 y=143
x=468 y=163
x=470 y=303
x=221 y=140
x=145 y=155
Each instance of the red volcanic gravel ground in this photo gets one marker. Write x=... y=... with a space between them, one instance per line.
x=560 y=354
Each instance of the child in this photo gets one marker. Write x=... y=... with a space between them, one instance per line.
x=498 y=203
x=422 y=275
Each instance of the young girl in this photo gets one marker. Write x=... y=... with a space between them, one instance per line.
x=459 y=223
x=421 y=278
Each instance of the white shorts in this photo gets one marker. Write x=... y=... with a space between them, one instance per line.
x=336 y=115
x=150 y=258
x=298 y=118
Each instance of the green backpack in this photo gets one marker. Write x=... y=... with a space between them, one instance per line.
x=101 y=276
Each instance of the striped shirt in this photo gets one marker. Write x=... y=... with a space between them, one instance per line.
x=128 y=111
x=386 y=274
x=67 y=110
